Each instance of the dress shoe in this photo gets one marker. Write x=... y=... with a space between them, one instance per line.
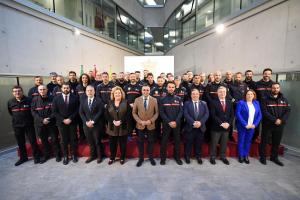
x=187 y=160
x=263 y=161
x=152 y=161
x=241 y=159
x=65 y=160
x=74 y=159
x=277 y=161
x=90 y=159
x=111 y=161
x=36 y=160
x=58 y=158
x=99 y=160
x=140 y=162
x=178 y=161
x=199 y=160
x=225 y=161
x=246 y=160
x=44 y=159
x=212 y=161
x=21 y=161
x=122 y=162
x=162 y=162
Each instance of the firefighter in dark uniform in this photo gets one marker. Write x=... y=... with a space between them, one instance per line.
x=263 y=89
x=185 y=81
x=73 y=81
x=121 y=82
x=249 y=80
x=276 y=110
x=52 y=84
x=159 y=92
x=150 y=81
x=132 y=91
x=104 y=89
x=44 y=122
x=197 y=85
x=180 y=90
x=171 y=112
x=65 y=109
x=57 y=89
x=237 y=90
x=38 y=80
x=228 y=78
x=19 y=108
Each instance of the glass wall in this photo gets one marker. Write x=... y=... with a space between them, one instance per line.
x=103 y=16
x=195 y=15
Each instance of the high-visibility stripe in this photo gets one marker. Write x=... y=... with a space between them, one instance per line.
x=43 y=108
x=105 y=91
x=133 y=92
x=278 y=105
x=171 y=104
x=20 y=109
x=262 y=89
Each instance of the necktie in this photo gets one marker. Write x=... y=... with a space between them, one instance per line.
x=196 y=109
x=145 y=103
x=66 y=100
x=90 y=104
x=223 y=106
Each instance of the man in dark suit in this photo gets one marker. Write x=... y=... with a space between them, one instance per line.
x=90 y=110
x=196 y=113
x=65 y=109
x=222 y=117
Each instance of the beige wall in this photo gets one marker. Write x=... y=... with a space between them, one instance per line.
x=267 y=39
x=34 y=43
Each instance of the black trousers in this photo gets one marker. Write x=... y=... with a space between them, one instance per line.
x=20 y=135
x=113 y=143
x=276 y=134
x=80 y=127
x=68 y=137
x=142 y=135
x=167 y=130
x=44 y=132
x=94 y=137
x=158 y=122
x=217 y=136
x=194 y=138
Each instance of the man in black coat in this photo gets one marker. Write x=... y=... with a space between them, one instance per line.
x=65 y=109
x=22 y=122
x=90 y=110
x=222 y=117
x=44 y=122
x=276 y=110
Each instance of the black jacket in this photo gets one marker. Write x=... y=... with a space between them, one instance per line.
x=80 y=92
x=158 y=93
x=201 y=89
x=238 y=90
x=73 y=86
x=56 y=90
x=61 y=111
x=97 y=110
x=50 y=87
x=171 y=109
x=275 y=108
x=41 y=108
x=218 y=116
x=251 y=84
x=263 y=89
x=33 y=92
x=132 y=92
x=182 y=93
x=20 y=112
x=103 y=92
x=211 y=91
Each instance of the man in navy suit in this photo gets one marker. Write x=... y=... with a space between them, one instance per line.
x=65 y=110
x=222 y=117
x=90 y=110
x=196 y=113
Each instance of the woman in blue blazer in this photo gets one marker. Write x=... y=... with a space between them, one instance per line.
x=248 y=116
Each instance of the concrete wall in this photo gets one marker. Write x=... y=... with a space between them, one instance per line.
x=269 y=38
x=35 y=43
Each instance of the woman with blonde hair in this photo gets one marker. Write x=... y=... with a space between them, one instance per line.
x=117 y=114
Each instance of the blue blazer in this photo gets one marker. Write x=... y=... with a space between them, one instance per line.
x=242 y=114
x=190 y=117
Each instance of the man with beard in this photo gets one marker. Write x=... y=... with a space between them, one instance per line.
x=276 y=110
x=171 y=112
x=121 y=80
x=185 y=81
x=57 y=89
x=228 y=78
x=73 y=81
x=150 y=81
x=249 y=80
x=197 y=85
x=65 y=110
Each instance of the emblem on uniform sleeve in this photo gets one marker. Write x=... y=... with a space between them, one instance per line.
x=156 y=92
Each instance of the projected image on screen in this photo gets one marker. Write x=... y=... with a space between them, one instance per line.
x=155 y=64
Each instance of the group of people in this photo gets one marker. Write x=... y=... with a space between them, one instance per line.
x=123 y=104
